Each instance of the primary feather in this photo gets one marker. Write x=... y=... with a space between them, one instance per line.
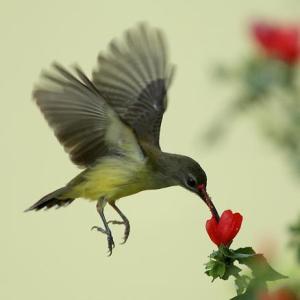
x=134 y=76
x=83 y=122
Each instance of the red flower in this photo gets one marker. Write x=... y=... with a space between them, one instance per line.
x=282 y=42
x=227 y=228
x=281 y=294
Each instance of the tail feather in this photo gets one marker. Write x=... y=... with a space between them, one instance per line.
x=51 y=200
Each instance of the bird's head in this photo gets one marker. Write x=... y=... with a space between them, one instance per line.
x=190 y=175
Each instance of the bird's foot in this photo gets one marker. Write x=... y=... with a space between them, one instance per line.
x=126 y=230
x=110 y=240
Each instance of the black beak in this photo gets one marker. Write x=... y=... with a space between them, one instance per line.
x=205 y=197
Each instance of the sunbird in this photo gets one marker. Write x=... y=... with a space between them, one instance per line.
x=110 y=126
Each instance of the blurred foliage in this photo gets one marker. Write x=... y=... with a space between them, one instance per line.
x=295 y=238
x=268 y=84
x=291 y=288
x=267 y=87
x=270 y=89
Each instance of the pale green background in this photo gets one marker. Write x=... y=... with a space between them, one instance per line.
x=54 y=255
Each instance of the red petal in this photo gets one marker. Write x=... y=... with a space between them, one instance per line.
x=287 y=44
x=229 y=226
x=281 y=294
x=282 y=42
x=285 y=294
x=236 y=226
x=212 y=230
x=225 y=226
x=264 y=34
x=226 y=218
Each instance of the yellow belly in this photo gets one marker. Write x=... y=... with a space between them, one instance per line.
x=112 y=178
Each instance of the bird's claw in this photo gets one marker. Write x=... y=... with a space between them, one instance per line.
x=110 y=240
x=110 y=243
x=126 y=231
x=99 y=229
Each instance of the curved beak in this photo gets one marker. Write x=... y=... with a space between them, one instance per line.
x=205 y=197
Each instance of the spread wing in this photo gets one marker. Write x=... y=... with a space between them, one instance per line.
x=133 y=77
x=82 y=121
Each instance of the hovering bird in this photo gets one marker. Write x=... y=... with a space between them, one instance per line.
x=110 y=125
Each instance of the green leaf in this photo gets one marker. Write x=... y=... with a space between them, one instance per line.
x=217 y=255
x=221 y=265
x=260 y=268
x=246 y=296
x=210 y=265
x=237 y=254
x=243 y=253
x=245 y=250
x=231 y=270
x=215 y=269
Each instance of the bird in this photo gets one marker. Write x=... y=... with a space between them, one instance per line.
x=109 y=124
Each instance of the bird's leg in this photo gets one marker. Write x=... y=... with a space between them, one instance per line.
x=100 y=208
x=124 y=222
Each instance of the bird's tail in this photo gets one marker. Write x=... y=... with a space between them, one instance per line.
x=53 y=199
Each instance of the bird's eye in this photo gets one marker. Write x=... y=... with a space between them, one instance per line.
x=191 y=182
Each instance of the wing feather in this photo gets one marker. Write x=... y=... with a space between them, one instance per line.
x=81 y=118
x=134 y=76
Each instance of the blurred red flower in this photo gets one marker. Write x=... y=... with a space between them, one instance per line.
x=282 y=42
x=281 y=294
x=224 y=231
